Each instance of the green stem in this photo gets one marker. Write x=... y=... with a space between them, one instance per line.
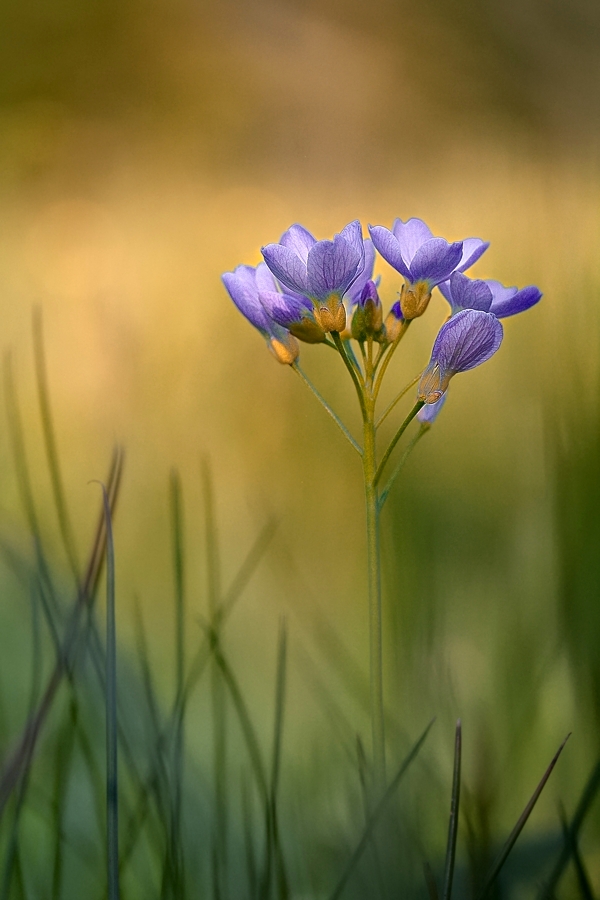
x=398 y=397
x=327 y=408
x=355 y=373
x=374 y=581
x=386 y=361
x=396 y=438
x=425 y=427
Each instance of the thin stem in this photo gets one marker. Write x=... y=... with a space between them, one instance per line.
x=355 y=373
x=386 y=361
x=397 y=437
x=425 y=427
x=327 y=408
x=374 y=582
x=398 y=397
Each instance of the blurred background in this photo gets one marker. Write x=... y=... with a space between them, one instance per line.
x=145 y=148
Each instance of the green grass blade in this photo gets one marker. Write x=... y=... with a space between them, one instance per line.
x=454 y=810
x=176 y=845
x=112 y=800
x=376 y=814
x=430 y=882
x=513 y=836
x=52 y=456
x=587 y=798
x=585 y=888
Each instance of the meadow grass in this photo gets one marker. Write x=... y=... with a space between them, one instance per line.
x=222 y=825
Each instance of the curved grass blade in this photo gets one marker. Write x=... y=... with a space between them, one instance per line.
x=513 y=836
x=454 y=809
x=20 y=759
x=176 y=859
x=583 y=807
x=112 y=799
x=52 y=456
x=375 y=815
x=583 y=880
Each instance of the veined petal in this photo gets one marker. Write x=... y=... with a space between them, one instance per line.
x=245 y=296
x=332 y=267
x=286 y=266
x=507 y=301
x=354 y=291
x=468 y=339
x=263 y=278
x=387 y=244
x=298 y=239
x=472 y=250
x=466 y=293
x=411 y=235
x=285 y=309
x=353 y=234
x=434 y=261
x=429 y=413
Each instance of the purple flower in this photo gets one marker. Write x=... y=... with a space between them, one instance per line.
x=468 y=339
x=423 y=260
x=245 y=285
x=353 y=294
x=490 y=296
x=429 y=413
x=320 y=270
x=367 y=320
x=293 y=312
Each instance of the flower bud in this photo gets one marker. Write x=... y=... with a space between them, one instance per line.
x=286 y=350
x=394 y=322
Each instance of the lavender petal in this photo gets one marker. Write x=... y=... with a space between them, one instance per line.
x=434 y=261
x=468 y=339
x=286 y=267
x=387 y=245
x=509 y=301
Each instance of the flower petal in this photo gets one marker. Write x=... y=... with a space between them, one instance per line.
x=472 y=250
x=242 y=290
x=411 y=235
x=466 y=293
x=332 y=267
x=509 y=301
x=354 y=291
x=285 y=309
x=286 y=267
x=434 y=261
x=387 y=244
x=468 y=339
x=298 y=239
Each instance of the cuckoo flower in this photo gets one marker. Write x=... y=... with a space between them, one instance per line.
x=320 y=270
x=244 y=286
x=490 y=296
x=367 y=321
x=423 y=260
x=468 y=339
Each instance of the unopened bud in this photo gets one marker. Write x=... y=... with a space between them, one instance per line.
x=308 y=330
x=394 y=322
x=333 y=316
x=286 y=350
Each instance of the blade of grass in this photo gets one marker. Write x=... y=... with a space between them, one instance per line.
x=583 y=807
x=585 y=888
x=62 y=764
x=52 y=456
x=112 y=799
x=453 y=824
x=218 y=697
x=20 y=759
x=430 y=882
x=513 y=836
x=376 y=814
x=176 y=844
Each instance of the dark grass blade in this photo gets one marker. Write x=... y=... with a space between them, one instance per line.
x=112 y=799
x=454 y=810
x=52 y=456
x=218 y=694
x=585 y=888
x=19 y=760
x=62 y=767
x=513 y=836
x=583 y=807
x=274 y=853
x=249 y=843
x=430 y=882
x=376 y=814
x=176 y=844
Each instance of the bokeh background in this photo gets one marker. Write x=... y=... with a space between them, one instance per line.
x=145 y=148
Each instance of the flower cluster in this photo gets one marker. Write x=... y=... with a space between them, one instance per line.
x=324 y=292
